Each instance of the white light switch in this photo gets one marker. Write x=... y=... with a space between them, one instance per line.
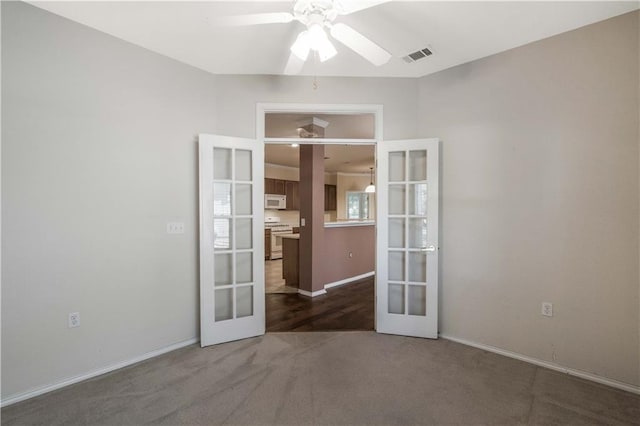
x=175 y=228
x=302 y=221
x=74 y=319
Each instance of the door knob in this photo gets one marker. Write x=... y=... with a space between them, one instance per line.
x=430 y=248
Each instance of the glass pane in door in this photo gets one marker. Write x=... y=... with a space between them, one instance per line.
x=396 y=266
x=396 y=299
x=417 y=233
x=396 y=232
x=244 y=268
x=222 y=234
x=417 y=300
x=223 y=267
x=418 y=165
x=418 y=199
x=243 y=165
x=396 y=166
x=244 y=233
x=224 y=304
x=221 y=199
x=244 y=301
x=243 y=199
x=221 y=163
x=417 y=266
x=396 y=199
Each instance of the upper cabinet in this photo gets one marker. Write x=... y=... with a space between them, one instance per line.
x=269 y=186
x=330 y=198
x=290 y=188
x=274 y=186
x=292 y=191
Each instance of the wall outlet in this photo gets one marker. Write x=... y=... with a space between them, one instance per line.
x=74 y=319
x=547 y=309
x=175 y=228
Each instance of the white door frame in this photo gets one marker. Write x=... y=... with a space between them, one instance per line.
x=347 y=109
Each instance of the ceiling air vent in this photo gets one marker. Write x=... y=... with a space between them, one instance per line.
x=416 y=56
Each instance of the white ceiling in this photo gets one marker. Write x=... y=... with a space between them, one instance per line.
x=456 y=32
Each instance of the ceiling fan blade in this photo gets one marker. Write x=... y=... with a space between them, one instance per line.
x=254 y=19
x=360 y=44
x=345 y=7
x=294 y=65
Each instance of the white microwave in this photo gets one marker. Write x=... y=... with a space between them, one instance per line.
x=275 y=202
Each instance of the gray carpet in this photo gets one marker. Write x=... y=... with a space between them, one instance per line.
x=330 y=378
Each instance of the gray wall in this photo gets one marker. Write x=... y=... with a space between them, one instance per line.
x=98 y=153
x=540 y=198
x=238 y=95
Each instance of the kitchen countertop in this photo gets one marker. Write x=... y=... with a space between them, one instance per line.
x=290 y=236
x=346 y=223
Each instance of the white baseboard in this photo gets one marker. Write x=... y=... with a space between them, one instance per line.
x=350 y=279
x=572 y=372
x=66 y=382
x=336 y=284
x=312 y=294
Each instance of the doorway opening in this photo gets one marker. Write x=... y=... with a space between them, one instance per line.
x=346 y=140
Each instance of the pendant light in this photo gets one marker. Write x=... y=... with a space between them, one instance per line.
x=371 y=188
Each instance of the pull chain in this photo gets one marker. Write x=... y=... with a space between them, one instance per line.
x=314 y=85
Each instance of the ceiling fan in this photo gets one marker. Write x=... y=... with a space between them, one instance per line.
x=318 y=16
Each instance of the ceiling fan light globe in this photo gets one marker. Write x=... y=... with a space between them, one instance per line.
x=317 y=37
x=301 y=46
x=326 y=51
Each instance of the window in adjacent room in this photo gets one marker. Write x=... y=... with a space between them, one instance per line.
x=357 y=205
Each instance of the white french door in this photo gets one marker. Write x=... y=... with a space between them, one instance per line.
x=231 y=239
x=407 y=238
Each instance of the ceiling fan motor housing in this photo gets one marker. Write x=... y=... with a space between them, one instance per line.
x=321 y=12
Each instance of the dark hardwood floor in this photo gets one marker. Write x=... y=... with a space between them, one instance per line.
x=348 y=307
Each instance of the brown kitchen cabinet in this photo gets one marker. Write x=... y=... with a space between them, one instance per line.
x=330 y=198
x=274 y=186
x=267 y=244
x=292 y=191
